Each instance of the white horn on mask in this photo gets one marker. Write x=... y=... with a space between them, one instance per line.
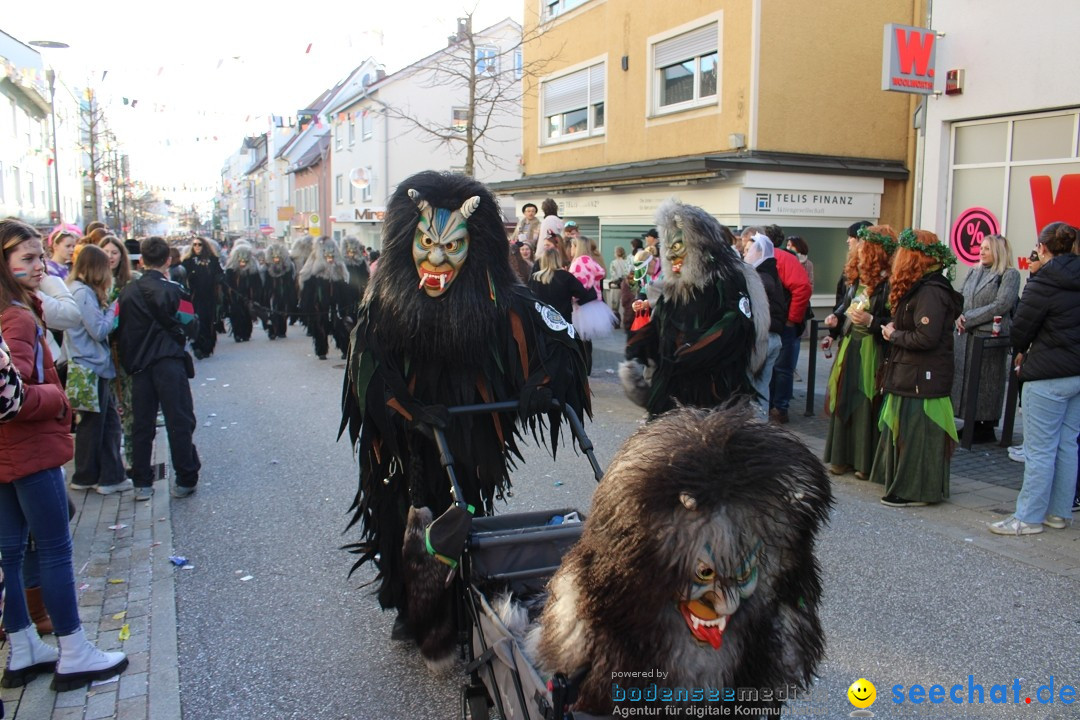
x=420 y=203
x=469 y=206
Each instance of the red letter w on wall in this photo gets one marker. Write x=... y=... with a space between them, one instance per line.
x=1064 y=208
x=914 y=48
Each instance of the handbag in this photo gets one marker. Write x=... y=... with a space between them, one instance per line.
x=82 y=388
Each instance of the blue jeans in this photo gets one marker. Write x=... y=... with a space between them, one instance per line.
x=783 y=377
x=761 y=382
x=38 y=503
x=1051 y=423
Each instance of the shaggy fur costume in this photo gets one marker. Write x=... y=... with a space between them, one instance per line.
x=243 y=290
x=728 y=513
x=353 y=250
x=710 y=327
x=483 y=338
x=280 y=294
x=326 y=297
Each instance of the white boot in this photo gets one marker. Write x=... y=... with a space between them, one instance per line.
x=29 y=658
x=81 y=663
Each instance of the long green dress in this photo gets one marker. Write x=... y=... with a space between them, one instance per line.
x=854 y=398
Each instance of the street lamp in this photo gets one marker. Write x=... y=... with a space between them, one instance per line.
x=50 y=74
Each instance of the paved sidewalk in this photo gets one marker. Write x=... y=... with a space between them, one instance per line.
x=124 y=578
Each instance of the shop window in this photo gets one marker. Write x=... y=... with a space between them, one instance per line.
x=984 y=143
x=1044 y=138
x=686 y=68
x=573 y=105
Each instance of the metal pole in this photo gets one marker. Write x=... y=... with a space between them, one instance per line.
x=56 y=161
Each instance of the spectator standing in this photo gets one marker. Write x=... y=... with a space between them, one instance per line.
x=1046 y=338
x=204 y=278
x=618 y=269
x=34 y=445
x=156 y=318
x=801 y=249
x=552 y=224
x=853 y=400
x=796 y=286
x=521 y=260
x=918 y=434
x=990 y=290
x=761 y=255
x=122 y=275
x=591 y=320
x=528 y=227
x=98 y=464
x=61 y=247
x=557 y=287
x=177 y=272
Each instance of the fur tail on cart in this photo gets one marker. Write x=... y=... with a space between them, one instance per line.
x=697 y=561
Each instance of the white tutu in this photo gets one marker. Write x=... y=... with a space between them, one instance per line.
x=593 y=320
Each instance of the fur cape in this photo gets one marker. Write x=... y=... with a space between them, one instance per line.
x=242 y=252
x=280 y=269
x=728 y=489
x=486 y=339
x=300 y=250
x=703 y=341
x=317 y=265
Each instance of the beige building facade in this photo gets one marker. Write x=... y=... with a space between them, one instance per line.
x=759 y=111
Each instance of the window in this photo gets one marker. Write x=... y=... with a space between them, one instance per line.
x=685 y=69
x=365 y=125
x=339 y=189
x=365 y=193
x=352 y=130
x=519 y=65
x=459 y=120
x=352 y=193
x=14 y=118
x=337 y=136
x=574 y=105
x=487 y=60
x=558 y=7
x=16 y=181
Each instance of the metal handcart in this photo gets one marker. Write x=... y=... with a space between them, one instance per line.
x=519 y=552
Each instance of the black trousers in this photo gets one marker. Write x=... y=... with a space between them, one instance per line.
x=164 y=383
x=97 y=442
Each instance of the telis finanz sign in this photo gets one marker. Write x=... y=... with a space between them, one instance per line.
x=910 y=54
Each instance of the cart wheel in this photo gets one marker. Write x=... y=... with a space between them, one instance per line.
x=474 y=703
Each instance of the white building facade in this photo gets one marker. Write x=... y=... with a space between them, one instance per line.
x=393 y=126
x=1003 y=154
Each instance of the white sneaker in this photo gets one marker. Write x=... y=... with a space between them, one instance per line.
x=1016 y=453
x=1015 y=526
x=1055 y=521
x=122 y=486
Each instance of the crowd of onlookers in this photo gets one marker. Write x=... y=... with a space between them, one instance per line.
x=904 y=340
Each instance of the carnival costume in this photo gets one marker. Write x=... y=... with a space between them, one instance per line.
x=696 y=569
x=918 y=432
x=204 y=278
x=709 y=330
x=445 y=323
x=279 y=295
x=325 y=296
x=244 y=289
x=853 y=400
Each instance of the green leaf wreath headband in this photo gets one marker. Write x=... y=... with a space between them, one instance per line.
x=938 y=251
x=885 y=241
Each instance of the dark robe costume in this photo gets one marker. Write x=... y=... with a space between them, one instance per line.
x=204 y=278
x=243 y=291
x=325 y=294
x=279 y=290
x=468 y=333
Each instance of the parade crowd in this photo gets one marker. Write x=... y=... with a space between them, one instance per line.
x=93 y=348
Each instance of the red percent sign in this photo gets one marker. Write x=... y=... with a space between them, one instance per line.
x=969 y=230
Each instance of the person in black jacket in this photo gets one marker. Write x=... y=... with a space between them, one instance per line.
x=1046 y=338
x=204 y=275
x=557 y=287
x=918 y=434
x=156 y=319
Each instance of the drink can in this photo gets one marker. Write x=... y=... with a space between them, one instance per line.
x=826 y=347
x=996 y=327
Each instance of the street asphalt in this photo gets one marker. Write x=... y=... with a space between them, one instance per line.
x=270 y=624
x=264 y=620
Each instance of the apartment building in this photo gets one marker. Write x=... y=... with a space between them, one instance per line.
x=394 y=125
x=759 y=111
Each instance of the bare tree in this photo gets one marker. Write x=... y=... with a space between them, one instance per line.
x=489 y=73
x=93 y=130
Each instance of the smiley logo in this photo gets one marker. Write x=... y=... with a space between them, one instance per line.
x=862 y=693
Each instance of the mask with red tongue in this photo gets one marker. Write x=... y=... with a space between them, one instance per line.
x=705 y=625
